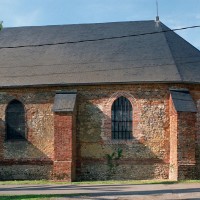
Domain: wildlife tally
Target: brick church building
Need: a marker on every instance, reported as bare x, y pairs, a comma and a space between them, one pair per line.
99, 101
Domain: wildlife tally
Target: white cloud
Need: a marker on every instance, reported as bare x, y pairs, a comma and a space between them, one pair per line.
197, 16
15, 13
26, 19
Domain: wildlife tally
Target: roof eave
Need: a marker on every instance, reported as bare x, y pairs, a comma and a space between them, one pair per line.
98, 83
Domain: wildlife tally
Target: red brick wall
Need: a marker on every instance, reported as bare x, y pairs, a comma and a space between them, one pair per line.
1, 138
196, 96
186, 145
173, 167
64, 156
183, 132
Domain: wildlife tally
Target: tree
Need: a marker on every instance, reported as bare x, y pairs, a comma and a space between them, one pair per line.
1, 25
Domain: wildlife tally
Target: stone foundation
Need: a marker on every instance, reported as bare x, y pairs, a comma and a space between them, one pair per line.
25, 172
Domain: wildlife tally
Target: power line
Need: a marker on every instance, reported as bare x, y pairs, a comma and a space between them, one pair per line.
101, 39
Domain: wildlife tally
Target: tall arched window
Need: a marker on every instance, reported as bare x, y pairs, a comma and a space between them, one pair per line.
15, 120
121, 119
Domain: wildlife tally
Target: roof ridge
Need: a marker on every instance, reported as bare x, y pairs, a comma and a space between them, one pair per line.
78, 24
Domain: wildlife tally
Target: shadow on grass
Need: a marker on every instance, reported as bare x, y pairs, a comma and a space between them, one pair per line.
36, 196
131, 182
164, 182
107, 191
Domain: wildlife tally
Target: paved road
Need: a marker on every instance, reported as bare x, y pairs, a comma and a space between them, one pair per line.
106, 192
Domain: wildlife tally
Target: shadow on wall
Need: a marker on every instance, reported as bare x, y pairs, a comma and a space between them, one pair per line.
32, 158
101, 158
20, 159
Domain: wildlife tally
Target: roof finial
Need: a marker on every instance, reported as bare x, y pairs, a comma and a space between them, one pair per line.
157, 17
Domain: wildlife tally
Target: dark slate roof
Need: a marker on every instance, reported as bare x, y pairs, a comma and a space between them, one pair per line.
163, 57
64, 102
182, 100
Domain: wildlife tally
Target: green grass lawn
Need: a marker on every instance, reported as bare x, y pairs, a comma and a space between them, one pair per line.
34, 197
53, 196
40, 182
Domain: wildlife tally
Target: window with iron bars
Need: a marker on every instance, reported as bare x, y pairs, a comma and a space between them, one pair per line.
122, 119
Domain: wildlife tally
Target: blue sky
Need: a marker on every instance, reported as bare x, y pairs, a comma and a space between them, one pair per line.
173, 13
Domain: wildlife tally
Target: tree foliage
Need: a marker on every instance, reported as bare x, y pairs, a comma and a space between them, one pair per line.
1, 25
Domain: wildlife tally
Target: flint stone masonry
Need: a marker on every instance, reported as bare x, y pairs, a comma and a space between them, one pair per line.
59, 146
24, 172
39, 147
150, 143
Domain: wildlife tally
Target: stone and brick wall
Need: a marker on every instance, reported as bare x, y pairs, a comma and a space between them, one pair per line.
146, 156
147, 152
32, 158
196, 96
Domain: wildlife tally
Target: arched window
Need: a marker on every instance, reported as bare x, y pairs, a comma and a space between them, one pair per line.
121, 119
15, 120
